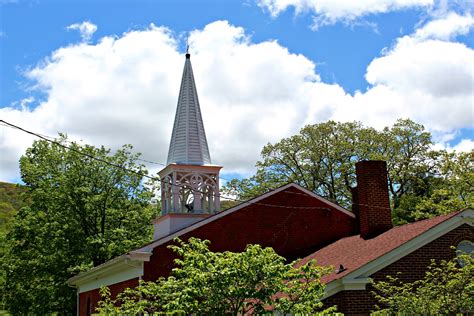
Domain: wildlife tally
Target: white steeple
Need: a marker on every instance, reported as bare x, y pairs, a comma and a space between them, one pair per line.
189, 183
188, 141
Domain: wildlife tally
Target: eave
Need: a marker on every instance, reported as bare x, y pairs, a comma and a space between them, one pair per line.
359, 278
124, 267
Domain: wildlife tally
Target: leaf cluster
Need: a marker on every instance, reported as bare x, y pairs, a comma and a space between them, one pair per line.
447, 288
256, 280
82, 212
422, 182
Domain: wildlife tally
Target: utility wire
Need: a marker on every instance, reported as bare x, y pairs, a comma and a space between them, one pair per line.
50, 139
47, 138
53, 141
358, 204
71, 142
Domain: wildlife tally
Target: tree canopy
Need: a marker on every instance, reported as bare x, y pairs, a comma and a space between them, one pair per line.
11, 200
446, 289
422, 182
203, 282
83, 211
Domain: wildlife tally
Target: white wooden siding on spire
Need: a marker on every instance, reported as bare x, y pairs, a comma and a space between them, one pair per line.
188, 140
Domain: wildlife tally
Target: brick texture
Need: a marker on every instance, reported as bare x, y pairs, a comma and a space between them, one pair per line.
302, 226
412, 267
371, 200
88, 300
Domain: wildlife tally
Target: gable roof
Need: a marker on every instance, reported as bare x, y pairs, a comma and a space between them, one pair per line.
362, 257
149, 247
143, 254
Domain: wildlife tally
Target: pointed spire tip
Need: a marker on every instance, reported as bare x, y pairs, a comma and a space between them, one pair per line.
188, 55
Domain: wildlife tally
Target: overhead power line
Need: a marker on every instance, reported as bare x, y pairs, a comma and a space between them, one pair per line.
42, 136
53, 141
47, 138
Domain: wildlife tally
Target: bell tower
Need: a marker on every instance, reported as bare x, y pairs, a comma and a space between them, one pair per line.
189, 182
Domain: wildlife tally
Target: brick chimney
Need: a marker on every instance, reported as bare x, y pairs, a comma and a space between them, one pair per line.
370, 198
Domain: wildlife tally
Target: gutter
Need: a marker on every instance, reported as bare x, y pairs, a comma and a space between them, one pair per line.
111, 267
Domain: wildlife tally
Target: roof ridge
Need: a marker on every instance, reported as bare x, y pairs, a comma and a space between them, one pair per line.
448, 215
386, 240
251, 201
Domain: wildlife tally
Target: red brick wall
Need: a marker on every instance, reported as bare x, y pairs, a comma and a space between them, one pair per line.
292, 232
412, 267
371, 198
94, 295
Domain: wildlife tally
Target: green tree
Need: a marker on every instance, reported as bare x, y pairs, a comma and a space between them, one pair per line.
12, 199
447, 288
452, 190
204, 282
82, 212
322, 159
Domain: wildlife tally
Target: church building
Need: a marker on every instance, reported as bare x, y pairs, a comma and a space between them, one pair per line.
297, 223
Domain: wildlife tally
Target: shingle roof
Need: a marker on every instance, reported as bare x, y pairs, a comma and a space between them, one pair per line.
354, 252
188, 141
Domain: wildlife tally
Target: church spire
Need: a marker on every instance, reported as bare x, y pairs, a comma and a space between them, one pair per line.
188, 141
189, 183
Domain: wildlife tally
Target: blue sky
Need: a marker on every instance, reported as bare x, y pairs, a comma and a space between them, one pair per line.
25, 45
263, 69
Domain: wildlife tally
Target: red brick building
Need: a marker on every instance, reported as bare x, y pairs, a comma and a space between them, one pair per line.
294, 221
407, 249
297, 223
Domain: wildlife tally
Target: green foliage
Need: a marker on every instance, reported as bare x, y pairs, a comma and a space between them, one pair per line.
447, 288
11, 200
226, 204
452, 190
82, 212
422, 182
216, 283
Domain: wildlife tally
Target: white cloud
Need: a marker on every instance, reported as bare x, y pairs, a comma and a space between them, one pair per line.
124, 90
465, 145
446, 28
430, 79
329, 12
421, 77
86, 29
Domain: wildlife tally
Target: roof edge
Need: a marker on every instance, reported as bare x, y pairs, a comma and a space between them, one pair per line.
144, 253
336, 206
233, 209
361, 275
109, 267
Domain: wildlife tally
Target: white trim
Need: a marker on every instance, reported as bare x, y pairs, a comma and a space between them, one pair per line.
122, 268
362, 274
184, 167
125, 272
345, 285
231, 210
140, 256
